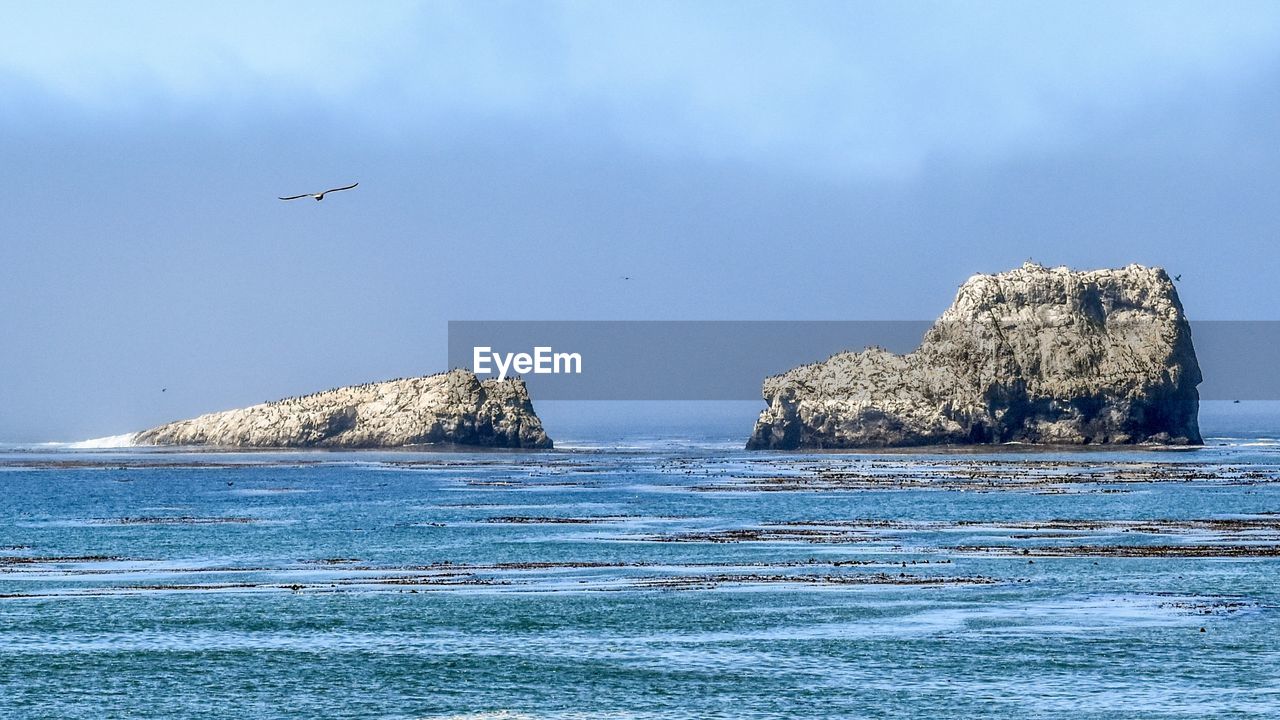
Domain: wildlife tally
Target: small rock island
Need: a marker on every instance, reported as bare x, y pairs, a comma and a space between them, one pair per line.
454, 407
1034, 355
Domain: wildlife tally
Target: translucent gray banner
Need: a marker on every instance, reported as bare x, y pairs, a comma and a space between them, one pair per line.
728, 360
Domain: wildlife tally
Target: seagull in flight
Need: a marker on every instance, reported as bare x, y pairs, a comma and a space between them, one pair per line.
320, 195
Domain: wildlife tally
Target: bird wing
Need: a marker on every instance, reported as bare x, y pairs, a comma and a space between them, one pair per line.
294, 197
341, 188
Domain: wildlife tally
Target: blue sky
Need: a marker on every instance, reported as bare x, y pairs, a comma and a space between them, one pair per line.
739, 160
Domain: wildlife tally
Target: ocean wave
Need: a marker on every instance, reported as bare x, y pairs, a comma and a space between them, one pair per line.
1235, 441
649, 444
111, 441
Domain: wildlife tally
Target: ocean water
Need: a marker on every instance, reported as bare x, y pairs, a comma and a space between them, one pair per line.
645, 572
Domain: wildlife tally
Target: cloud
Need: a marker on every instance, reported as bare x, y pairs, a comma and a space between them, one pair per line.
877, 90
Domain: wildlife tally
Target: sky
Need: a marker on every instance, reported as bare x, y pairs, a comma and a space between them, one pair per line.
737, 160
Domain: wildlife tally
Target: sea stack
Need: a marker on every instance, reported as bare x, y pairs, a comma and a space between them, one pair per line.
1034, 355
449, 408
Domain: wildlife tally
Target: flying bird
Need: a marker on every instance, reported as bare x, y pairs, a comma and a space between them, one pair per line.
320, 195
1177, 278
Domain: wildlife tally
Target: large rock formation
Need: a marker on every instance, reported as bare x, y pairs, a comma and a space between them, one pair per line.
1034, 355
453, 407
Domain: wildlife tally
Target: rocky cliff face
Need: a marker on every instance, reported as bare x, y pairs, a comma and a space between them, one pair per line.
453, 407
1033, 355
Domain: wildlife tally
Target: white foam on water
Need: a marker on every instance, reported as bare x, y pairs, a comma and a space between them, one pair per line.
111, 441
651, 444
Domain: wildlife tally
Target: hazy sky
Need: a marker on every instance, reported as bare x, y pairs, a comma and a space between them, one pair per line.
738, 160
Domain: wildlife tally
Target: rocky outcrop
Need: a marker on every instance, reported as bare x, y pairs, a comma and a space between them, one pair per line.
1033, 355
449, 408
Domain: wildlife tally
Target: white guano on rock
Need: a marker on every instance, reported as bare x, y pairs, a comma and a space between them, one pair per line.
1034, 355
448, 408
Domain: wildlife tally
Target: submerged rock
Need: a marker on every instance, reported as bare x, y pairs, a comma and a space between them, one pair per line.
448, 408
1033, 355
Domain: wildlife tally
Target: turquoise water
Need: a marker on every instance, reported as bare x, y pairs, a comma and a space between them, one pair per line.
656, 577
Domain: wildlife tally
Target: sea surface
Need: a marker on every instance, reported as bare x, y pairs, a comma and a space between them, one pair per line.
645, 573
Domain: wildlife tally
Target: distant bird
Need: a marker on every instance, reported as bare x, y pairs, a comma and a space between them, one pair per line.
320, 195
626, 277
163, 389
1177, 278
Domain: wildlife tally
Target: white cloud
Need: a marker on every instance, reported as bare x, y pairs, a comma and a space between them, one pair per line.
852, 88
